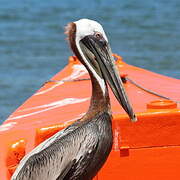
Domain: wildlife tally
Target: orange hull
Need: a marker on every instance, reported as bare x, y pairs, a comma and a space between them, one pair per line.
147, 149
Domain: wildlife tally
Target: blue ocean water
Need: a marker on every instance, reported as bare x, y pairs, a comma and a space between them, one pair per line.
33, 46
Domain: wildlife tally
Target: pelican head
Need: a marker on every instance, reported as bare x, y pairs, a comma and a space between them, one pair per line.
89, 42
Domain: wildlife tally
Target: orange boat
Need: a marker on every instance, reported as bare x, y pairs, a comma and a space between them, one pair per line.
146, 149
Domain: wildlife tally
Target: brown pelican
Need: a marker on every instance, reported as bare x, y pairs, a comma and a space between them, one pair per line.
80, 150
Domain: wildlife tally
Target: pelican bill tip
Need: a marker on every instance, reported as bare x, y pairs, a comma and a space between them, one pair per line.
134, 118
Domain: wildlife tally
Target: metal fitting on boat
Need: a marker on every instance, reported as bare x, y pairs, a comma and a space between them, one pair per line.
162, 104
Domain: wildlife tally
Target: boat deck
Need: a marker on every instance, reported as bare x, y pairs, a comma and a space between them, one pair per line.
149, 148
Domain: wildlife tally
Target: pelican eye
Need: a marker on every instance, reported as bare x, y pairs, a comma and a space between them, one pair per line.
100, 39
98, 35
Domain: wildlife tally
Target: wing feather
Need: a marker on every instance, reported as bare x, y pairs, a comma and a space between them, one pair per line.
61, 155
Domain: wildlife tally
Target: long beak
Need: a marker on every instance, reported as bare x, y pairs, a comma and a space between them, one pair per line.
103, 56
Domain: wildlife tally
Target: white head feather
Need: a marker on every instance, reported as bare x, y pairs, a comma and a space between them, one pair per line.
85, 27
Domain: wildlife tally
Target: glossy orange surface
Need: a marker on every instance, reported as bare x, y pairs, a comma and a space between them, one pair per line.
147, 149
